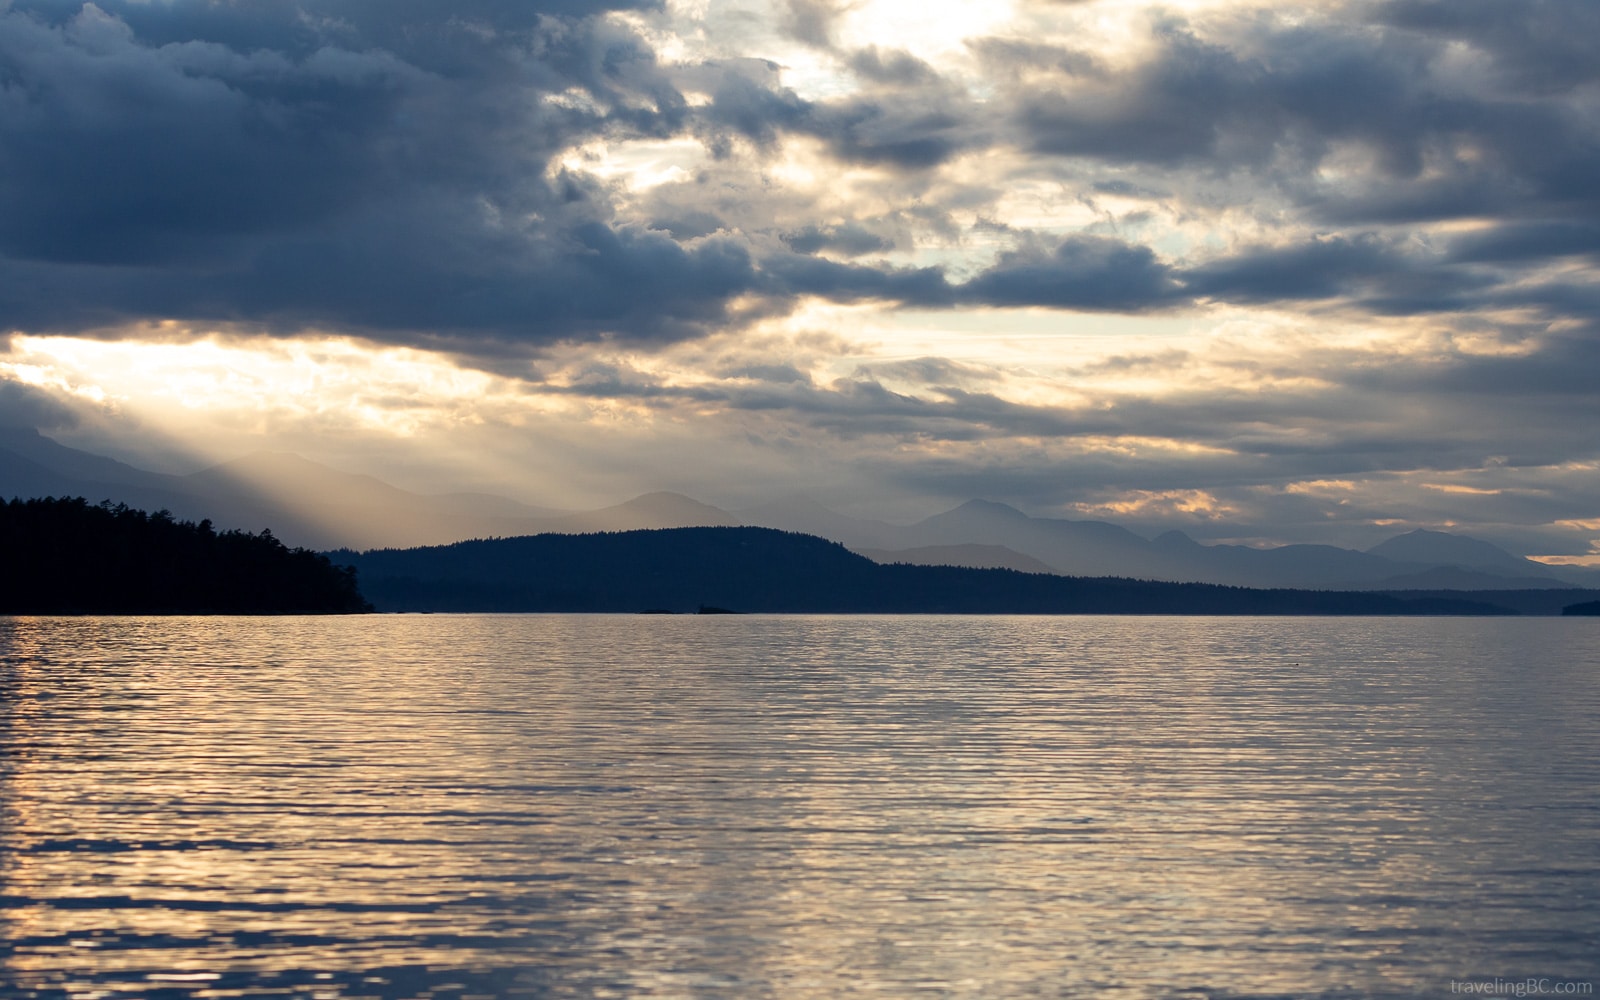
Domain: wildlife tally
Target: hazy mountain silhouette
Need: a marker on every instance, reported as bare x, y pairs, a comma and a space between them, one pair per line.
72, 464
32, 465
27, 478
652, 510
318, 507
1075, 548
1093, 548
762, 569
808, 517
1098, 548
1284, 565
1438, 548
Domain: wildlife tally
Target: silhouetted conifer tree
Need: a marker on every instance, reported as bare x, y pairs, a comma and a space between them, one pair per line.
69, 556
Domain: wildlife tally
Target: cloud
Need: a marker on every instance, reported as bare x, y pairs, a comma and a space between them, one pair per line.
1364, 268
1082, 272
804, 275
913, 132
397, 171
850, 239
907, 117
1523, 241
385, 169
812, 21
1537, 45
1392, 105
928, 371
747, 100
23, 405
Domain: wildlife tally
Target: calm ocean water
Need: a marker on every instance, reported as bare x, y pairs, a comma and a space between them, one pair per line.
808, 807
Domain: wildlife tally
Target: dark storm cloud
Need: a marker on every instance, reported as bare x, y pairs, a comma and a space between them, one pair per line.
1365, 269
1280, 101
377, 167
1539, 45
1528, 241
1368, 125
1105, 274
1082, 272
748, 101
388, 168
117, 152
1558, 376
913, 133
1177, 107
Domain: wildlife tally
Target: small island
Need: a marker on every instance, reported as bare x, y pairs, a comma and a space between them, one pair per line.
1584, 608
68, 556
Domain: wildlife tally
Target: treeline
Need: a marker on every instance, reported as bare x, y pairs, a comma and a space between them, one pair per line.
68, 556
760, 569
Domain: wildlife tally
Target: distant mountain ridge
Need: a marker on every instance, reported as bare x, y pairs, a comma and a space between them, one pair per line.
765, 570
315, 506
1443, 549
652, 510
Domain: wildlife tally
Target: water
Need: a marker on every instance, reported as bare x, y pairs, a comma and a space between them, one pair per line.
798, 807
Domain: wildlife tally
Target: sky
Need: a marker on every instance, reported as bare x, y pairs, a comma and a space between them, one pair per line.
1265, 273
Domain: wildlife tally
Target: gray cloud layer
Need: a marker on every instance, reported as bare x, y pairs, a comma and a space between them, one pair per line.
388, 168
372, 166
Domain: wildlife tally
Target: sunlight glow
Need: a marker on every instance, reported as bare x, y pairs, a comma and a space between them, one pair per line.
638, 165
928, 28
1457, 488
1591, 561
1196, 504
262, 382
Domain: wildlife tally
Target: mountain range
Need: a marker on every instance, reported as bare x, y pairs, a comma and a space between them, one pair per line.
734, 569
312, 505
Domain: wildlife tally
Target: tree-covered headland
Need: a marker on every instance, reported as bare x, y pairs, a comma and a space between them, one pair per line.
68, 556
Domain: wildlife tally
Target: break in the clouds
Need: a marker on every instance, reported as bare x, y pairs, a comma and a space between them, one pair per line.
1090, 257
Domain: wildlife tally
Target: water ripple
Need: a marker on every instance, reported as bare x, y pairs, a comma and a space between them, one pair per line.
747, 806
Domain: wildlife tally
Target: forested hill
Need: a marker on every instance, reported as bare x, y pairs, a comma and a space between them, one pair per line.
69, 556
761, 569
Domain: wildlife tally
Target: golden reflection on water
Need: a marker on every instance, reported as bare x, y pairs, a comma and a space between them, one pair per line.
576, 806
